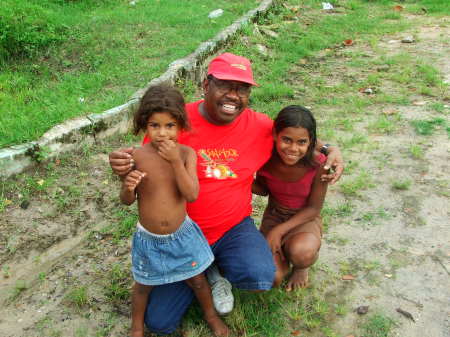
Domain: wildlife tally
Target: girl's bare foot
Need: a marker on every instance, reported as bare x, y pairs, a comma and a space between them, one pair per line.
217, 326
298, 279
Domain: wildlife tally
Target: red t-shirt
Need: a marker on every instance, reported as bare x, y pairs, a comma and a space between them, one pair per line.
227, 158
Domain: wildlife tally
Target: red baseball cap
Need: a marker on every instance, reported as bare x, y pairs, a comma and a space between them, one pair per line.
231, 67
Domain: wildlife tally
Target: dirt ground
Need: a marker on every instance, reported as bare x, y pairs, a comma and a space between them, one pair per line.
390, 243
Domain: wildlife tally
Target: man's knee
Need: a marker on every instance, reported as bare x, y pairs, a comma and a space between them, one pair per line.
255, 276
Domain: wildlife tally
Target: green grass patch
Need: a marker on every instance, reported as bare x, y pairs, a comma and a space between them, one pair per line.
78, 297
378, 325
401, 185
64, 59
416, 151
427, 127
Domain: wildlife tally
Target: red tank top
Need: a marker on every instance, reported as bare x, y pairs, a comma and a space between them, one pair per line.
292, 194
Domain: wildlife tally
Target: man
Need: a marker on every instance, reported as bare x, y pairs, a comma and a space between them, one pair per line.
232, 142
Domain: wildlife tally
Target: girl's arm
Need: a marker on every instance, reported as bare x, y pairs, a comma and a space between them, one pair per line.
185, 170
259, 186
129, 184
308, 213
186, 175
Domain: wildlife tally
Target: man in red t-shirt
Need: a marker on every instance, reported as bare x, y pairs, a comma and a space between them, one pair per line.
232, 142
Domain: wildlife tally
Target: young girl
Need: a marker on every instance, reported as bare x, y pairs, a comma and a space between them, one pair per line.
167, 245
291, 177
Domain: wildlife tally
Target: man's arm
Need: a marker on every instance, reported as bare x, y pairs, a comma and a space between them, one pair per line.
259, 186
334, 166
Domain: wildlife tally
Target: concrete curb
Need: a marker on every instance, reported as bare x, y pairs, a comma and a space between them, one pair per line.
85, 130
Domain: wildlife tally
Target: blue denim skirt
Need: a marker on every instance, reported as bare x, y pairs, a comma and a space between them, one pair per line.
161, 259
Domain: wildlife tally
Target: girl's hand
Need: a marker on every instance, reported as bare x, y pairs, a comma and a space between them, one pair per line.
335, 165
133, 179
274, 240
169, 150
121, 161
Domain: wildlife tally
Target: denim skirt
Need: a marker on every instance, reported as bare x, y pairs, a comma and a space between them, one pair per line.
161, 259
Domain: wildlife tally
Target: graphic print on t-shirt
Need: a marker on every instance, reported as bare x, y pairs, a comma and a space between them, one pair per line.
216, 162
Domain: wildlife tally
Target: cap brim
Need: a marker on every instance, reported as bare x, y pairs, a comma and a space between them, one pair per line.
231, 77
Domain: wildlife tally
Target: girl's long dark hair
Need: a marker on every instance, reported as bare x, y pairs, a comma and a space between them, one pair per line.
296, 116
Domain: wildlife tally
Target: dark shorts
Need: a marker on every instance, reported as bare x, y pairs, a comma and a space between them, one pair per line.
276, 214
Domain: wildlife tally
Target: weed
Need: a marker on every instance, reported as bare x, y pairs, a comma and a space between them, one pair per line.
353, 187
427, 127
127, 219
42, 275
81, 331
377, 325
416, 151
6, 271
78, 297
375, 217
401, 185
335, 239
438, 107
117, 288
19, 288
383, 124
353, 140
340, 309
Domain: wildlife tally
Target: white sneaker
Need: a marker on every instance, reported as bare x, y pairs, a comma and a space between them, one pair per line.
221, 291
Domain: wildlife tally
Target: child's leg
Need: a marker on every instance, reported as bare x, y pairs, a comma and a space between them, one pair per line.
202, 291
302, 250
139, 299
282, 269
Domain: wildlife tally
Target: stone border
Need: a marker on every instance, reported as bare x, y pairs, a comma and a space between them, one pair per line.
85, 130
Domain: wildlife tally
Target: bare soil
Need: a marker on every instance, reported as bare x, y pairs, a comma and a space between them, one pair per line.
393, 243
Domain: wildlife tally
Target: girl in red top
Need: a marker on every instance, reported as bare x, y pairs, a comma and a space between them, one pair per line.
291, 177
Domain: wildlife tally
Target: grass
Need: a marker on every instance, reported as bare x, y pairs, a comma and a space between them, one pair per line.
352, 187
416, 151
117, 287
63, 59
401, 185
378, 325
78, 297
427, 127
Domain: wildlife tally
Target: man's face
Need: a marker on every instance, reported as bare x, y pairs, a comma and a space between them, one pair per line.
224, 100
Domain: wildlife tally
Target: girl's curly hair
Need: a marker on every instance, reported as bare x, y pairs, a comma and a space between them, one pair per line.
160, 98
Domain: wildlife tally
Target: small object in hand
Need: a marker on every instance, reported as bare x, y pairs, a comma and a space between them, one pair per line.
24, 204
362, 310
406, 314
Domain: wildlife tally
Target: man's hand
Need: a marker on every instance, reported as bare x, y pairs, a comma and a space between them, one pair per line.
334, 165
169, 150
121, 161
133, 179
274, 241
